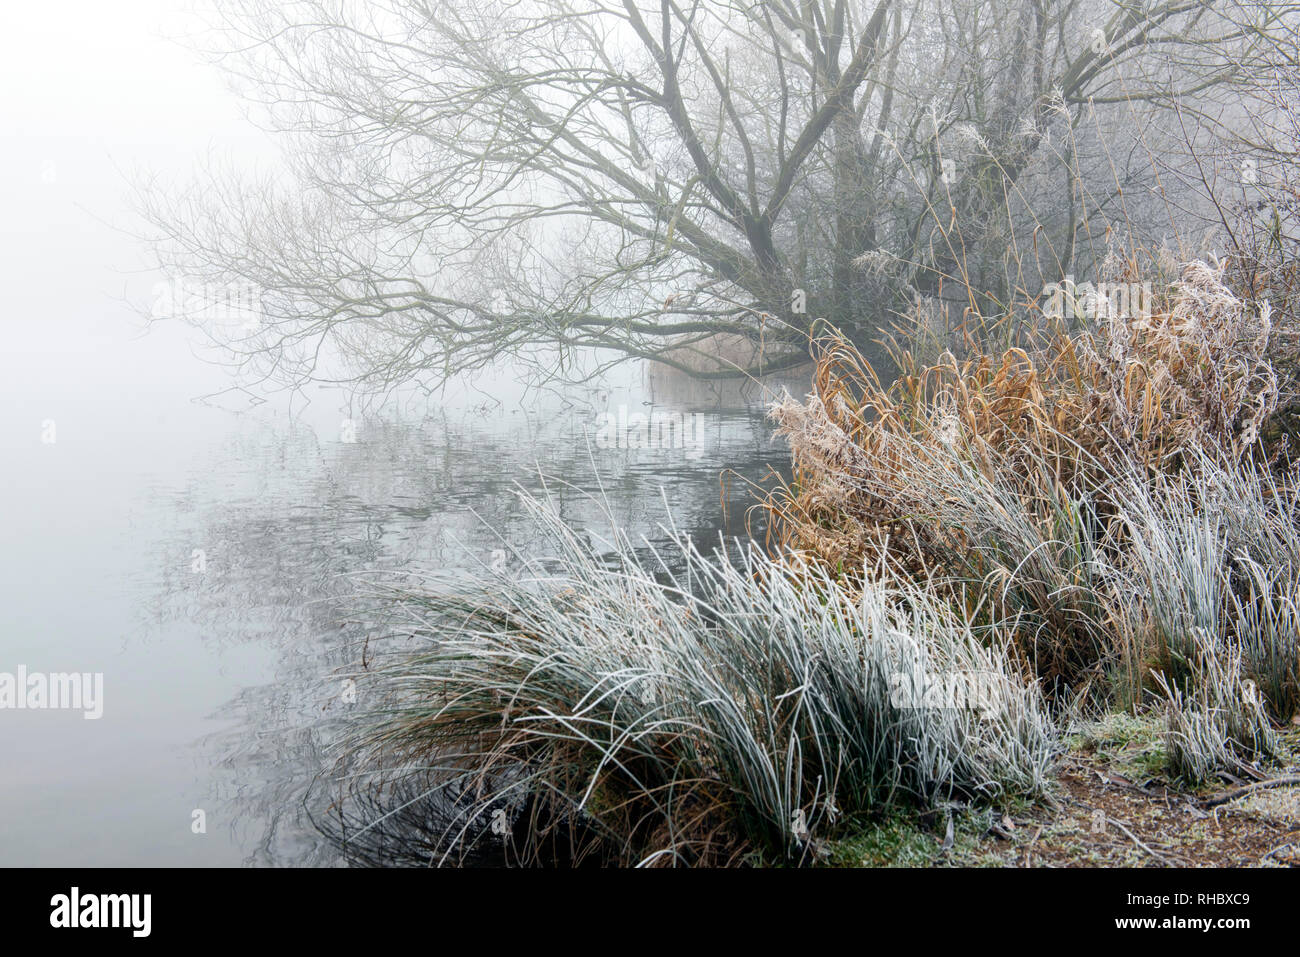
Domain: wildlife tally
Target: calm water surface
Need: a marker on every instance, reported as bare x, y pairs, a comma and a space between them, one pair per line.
203, 559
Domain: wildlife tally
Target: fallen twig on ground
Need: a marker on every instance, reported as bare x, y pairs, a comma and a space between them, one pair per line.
1226, 796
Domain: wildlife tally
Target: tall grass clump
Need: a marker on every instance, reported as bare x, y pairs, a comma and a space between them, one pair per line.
1176, 557
1268, 632
1215, 718
662, 706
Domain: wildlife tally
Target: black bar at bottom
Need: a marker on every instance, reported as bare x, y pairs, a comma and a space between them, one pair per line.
612, 908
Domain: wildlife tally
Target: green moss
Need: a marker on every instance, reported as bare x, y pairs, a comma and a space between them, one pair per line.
893, 842
903, 840
1131, 745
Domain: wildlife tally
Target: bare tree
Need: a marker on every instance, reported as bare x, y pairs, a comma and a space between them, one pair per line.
655, 179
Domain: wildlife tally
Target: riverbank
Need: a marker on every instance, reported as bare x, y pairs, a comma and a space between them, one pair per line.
965, 567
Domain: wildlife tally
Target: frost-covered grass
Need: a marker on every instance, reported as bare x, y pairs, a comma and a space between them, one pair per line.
694, 708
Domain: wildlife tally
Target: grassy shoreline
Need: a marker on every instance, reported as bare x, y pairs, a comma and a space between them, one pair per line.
971, 566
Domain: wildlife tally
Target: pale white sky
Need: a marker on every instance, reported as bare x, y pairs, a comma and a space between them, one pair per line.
92, 92
98, 70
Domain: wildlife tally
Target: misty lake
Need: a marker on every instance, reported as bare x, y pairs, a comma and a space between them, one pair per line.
202, 560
